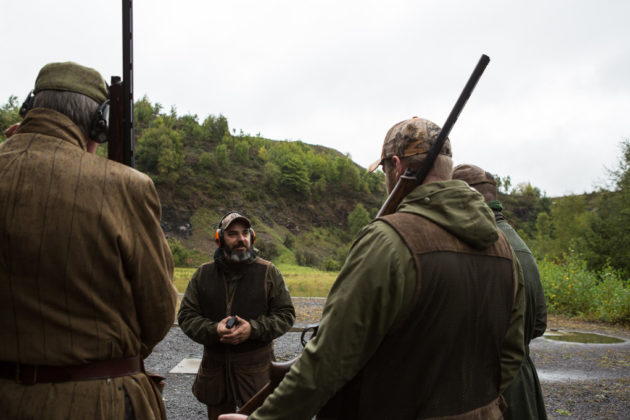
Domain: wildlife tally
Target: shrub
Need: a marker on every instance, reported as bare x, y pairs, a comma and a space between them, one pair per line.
572, 290
182, 257
267, 248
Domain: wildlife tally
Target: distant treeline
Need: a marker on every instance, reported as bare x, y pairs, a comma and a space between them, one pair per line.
311, 199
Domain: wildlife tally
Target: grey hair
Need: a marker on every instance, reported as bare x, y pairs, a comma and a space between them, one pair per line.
79, 108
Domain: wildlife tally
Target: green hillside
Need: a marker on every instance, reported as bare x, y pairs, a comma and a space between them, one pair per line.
300, 197
307, 201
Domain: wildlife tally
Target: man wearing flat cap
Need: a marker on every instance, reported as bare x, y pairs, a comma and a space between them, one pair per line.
235, 306
524, 396
425, 319
85, 270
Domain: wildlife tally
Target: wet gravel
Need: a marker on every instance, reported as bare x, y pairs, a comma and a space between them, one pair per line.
579, 381
584, 381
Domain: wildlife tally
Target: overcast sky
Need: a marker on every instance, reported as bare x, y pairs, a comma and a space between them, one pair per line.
551, 109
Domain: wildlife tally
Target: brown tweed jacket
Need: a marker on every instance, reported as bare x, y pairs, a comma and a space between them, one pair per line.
85, 271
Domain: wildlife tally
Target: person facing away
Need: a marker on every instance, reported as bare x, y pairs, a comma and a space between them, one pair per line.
85, 270
524, 396
237, 351
425, 319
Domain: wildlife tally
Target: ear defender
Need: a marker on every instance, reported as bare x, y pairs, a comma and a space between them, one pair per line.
99, 127
28, 104
218, 237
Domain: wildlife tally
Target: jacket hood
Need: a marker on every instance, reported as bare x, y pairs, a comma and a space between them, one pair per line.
456, 207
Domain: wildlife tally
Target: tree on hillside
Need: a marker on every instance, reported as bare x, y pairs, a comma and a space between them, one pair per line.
222, 155
272, 176
348, 177
503, 183
358, 218
564, 229
216, 128
294, 176
610, 238
523, 206
144, 115
160, 154
241, 152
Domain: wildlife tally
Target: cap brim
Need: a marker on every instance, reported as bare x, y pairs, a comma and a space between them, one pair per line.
374, 165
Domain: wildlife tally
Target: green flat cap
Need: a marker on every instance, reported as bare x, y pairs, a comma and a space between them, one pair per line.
72, 77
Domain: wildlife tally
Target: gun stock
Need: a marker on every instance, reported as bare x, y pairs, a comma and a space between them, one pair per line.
408, 181
277, 373
278, 370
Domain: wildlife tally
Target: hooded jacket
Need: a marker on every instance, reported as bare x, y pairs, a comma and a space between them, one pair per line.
374, 296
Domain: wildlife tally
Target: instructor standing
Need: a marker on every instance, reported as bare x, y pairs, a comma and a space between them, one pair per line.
235, 306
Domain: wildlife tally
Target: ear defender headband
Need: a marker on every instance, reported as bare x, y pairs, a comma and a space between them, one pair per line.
28, 104
99, 126
218, 234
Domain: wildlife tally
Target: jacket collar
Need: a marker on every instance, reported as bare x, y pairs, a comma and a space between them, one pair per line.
54, 124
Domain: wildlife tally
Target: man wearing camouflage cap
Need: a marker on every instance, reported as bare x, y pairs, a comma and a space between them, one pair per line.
425, 318
237, 351
524, 396
85, 270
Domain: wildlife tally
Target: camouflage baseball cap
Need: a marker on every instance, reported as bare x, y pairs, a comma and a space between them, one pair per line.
231, 218
72, 77
473, 175
410, 137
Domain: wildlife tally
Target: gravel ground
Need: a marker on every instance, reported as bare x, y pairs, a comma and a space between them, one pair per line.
579, 381
584, 381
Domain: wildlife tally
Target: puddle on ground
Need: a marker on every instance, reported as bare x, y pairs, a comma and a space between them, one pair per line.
580, 337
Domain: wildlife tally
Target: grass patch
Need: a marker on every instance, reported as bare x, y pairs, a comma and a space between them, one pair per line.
307, 281
182, 277
301, 281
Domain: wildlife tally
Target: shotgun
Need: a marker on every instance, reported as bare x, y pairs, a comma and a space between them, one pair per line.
278, 370
408, 181
120, 146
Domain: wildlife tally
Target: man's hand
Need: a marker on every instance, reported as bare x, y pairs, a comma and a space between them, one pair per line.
11, 130
222, 328
237, 334
232, 417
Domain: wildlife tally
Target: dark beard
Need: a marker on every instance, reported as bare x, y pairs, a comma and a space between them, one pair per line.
236, 256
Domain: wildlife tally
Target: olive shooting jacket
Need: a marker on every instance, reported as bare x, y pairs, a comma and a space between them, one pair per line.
372, 302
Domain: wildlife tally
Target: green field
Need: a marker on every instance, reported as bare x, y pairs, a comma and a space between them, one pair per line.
301, 281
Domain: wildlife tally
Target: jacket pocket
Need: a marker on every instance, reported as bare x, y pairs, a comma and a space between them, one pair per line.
251, 377
209, 385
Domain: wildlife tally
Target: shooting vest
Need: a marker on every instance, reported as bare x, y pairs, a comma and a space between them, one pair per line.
444, 357
249, 300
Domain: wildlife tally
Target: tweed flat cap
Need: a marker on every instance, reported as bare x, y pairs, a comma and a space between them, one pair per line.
72, 77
